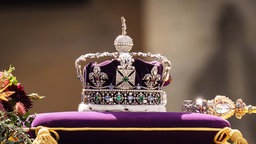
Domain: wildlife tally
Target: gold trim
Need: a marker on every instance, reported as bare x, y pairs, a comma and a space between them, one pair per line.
222, 137
129, 129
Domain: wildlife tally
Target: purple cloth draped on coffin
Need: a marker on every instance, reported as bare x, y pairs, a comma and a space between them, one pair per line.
110, 66
132, 119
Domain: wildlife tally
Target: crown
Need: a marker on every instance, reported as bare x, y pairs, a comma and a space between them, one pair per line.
126, 82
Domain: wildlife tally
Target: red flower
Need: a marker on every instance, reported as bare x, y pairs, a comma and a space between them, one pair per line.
20, 87
18, 96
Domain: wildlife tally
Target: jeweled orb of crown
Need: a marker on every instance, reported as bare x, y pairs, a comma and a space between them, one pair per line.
126, 82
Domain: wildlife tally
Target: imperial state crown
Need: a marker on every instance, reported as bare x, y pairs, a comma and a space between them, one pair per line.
126, 82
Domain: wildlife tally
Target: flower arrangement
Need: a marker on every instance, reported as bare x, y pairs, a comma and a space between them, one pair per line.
14, 106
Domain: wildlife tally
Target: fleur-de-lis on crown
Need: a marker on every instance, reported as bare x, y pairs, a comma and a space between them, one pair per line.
153, 78
97, 77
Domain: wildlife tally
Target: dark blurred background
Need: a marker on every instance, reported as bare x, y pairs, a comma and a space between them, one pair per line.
211, 45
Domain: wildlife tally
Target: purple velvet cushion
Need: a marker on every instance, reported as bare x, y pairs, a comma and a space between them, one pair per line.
132, 119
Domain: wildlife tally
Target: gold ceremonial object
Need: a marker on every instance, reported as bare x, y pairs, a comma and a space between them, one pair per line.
220, 106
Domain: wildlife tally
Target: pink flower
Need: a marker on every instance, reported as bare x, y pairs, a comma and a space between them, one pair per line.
3, 81
2, 107
20, 109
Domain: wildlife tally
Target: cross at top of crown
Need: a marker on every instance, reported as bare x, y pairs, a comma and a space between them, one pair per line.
123, 43
123, 26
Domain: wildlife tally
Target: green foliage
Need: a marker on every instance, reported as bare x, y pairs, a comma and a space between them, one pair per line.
11, 128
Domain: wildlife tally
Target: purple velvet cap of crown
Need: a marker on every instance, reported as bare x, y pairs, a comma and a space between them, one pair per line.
109, 67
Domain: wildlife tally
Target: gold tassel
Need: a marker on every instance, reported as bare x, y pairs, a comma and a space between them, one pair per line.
237, 137
226, 134
44, 136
